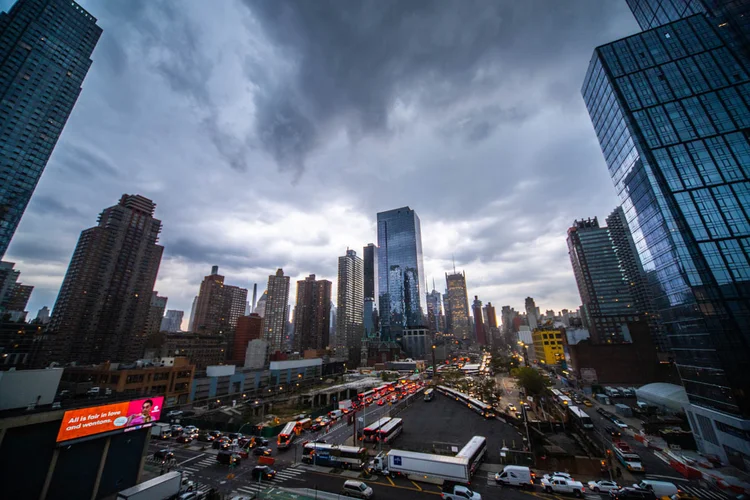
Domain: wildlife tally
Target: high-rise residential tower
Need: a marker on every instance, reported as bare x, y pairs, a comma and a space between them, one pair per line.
532, 313
155, 314
192, 314
479, 332
350, 307
45, 51
400, 271
275, 315
457, 303
312, 314
172, 321
101, 310
14, 296
219, 305
671, 109
608, 303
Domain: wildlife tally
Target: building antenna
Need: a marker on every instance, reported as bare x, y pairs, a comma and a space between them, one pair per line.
433, 283
454, 264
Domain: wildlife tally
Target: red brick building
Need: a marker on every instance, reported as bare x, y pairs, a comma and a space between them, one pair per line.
248, 328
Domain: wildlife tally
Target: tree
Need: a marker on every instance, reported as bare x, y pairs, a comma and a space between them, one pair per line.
532, 382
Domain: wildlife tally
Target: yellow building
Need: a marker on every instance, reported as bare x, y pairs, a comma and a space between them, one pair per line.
548, 346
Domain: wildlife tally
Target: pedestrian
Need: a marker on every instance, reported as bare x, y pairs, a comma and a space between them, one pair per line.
619, 472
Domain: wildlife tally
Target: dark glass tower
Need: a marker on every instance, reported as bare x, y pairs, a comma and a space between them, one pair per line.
671, 110
400, 271
45, 50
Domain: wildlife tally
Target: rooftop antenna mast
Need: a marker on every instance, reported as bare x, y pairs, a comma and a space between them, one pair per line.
454, 264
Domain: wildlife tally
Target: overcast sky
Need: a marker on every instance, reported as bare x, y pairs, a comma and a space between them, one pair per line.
270, 133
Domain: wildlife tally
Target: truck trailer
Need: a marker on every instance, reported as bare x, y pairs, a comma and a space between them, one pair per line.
423, 466
159, 488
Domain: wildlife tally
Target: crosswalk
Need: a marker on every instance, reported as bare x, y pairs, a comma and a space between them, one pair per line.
196, 466
703, 493
281, 476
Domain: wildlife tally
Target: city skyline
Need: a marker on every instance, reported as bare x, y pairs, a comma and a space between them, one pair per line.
129, 83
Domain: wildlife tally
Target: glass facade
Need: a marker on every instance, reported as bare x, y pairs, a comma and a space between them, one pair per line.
671, 109
45, 49
608, 303
400, 272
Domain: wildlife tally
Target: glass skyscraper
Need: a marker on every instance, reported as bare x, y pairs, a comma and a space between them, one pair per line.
671, 110
45, 49
400, 272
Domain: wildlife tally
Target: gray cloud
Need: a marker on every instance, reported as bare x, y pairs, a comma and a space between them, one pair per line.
467, 111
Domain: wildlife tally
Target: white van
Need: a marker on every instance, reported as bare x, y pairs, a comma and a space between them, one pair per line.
515, 475
660, 488
335, 414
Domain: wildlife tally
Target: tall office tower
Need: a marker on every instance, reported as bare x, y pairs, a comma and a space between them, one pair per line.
350, 308
448, 322
434, 311
255, 298
670, 107
371, 319
45, 49
172, 321
312, 314
491, 323
192, 315
400, 271
458, 304
608, 303
370, 258
14, 296
532, 315
479, 332
275, 315
506, 319
635, 276
155, 314
42, 316
219, 305
565, 317
104, 300
260, 307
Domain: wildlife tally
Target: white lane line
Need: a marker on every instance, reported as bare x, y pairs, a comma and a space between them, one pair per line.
671, 478
713, 494
191, 459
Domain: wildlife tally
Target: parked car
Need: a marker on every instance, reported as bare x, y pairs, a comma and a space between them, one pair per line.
356, 489
262, 472
164, 454
632, 494
262, 450
603, 486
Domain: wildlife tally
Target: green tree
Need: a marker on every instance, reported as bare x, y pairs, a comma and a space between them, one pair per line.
532, 382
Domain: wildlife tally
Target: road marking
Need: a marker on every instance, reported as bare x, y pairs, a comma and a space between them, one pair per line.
390, 481
671, 478
418, 487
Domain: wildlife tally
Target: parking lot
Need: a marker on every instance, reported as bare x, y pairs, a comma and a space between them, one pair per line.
445, 420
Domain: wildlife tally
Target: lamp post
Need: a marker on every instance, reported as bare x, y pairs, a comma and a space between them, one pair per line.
434, 366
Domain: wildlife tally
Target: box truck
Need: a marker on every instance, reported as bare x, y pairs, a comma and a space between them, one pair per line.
161, 431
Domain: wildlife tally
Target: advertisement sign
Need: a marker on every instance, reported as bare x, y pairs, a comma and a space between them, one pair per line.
93, 420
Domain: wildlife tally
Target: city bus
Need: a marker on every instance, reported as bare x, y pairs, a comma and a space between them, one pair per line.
390, 431
303, 425
487, 411
429, 394
366, 397
381, 391
627, 457
286, 436
580, 417
371, 432
474, 452
329, 455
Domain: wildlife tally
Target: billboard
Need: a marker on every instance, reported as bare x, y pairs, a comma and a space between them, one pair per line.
85, 422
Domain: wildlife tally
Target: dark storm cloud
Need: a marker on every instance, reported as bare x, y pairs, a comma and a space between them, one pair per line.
355, 59
39, 250
84, 160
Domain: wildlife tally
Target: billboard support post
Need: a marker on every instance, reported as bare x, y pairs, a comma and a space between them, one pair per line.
99, 471
50, 472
